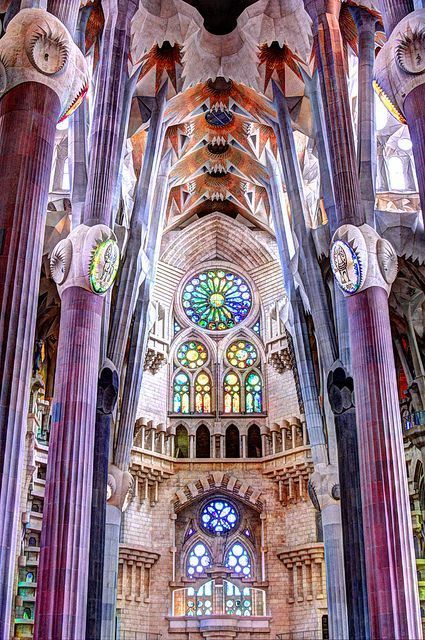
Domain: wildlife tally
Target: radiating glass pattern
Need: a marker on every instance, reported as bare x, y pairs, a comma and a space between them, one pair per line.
217, 300
192, 354
219, 516
241, 354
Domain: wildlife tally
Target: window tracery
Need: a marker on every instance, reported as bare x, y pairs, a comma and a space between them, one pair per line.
238, 560
219, 516
181, 390
232, 393
198, 560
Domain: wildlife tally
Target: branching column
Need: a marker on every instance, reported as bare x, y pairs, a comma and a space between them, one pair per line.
365, 266
29, 111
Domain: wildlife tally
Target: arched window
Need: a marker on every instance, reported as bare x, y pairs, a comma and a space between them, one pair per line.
232, 393
238, 560
32, 542
27, 614
199, 558
202, 442
233, 449
253, 393
254, 442
241, 354
182, 442
181, 401
202, 393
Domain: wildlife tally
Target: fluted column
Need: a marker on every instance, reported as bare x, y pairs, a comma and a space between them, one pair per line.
393, 11
372, 266
66, 11
84, 266
366, 129
29, 111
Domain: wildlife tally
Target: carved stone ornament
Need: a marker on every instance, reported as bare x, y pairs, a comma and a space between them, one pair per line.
324, 485
87, 258
120, 487
360, 259
38, 48
400, 65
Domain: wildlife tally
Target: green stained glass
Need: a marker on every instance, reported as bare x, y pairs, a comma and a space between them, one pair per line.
217, 300
181, 393
192, 354
253, 393
241, 354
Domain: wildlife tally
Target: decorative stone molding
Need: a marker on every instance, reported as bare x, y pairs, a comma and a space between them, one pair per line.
38, 48
281, 360
87, 258
324, 486
361, 259
134, 568
154, 360
120, 486
400, 65
218, 481
306, 569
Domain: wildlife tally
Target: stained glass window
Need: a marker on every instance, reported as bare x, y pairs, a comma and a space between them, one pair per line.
232, 393
241, 354
198, 560
177, 327
256, 328
192, 354
219, 516
217, 299
202, 393
237, 602
181, 393
238, 560
253, 393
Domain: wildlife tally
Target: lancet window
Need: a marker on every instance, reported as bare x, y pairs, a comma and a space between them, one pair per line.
192, 381
242, 385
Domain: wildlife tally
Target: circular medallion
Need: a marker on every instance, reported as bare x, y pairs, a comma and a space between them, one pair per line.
346, 266
192, 354
241, 354
216, 299
104, 265
410, 53
47, 52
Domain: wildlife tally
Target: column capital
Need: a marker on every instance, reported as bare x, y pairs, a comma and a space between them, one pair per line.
323, 486
120, 487
38, 48
88, 258
400, 65
361, 259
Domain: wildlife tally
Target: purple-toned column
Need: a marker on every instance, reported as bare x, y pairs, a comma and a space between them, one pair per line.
29, 110
66, 11
86, 264
393, 11
365, 266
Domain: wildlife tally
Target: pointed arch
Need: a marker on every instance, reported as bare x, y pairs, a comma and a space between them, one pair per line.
255, 449
203, 442
203, 392
181, 392
233, 446
232, 392
253, 392
182, 442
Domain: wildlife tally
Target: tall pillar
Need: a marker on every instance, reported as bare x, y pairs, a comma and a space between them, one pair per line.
66, 11
107, 393
363, 265
31, 105
84, 266
366, 129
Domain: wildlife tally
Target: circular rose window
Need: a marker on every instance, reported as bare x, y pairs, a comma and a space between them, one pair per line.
216, 299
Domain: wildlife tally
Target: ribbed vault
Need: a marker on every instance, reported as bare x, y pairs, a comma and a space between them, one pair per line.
215, 238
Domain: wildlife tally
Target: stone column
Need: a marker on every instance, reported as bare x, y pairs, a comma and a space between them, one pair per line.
387, 528
31, 105
366, 129
84, 266
66, 11
393, 11
244, 449
107, 393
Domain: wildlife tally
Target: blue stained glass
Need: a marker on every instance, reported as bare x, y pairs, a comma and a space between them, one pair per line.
216, 300
253, 395
256, 328
219, 516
